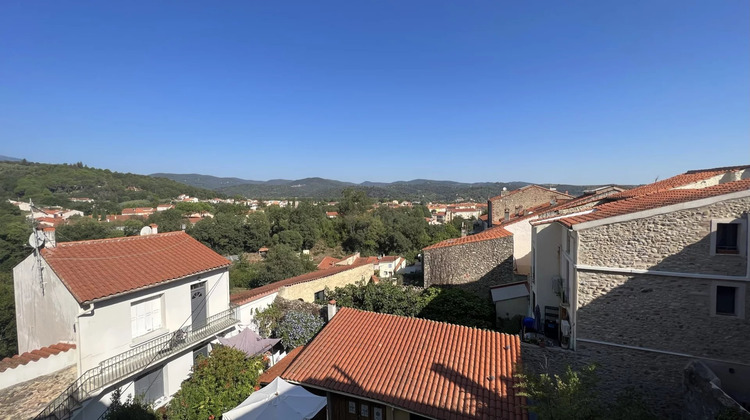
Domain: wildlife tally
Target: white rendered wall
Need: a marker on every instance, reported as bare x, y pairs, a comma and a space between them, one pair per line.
106, 332
247, 310
42, 318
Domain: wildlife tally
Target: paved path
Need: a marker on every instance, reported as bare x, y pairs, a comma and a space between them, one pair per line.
27, 399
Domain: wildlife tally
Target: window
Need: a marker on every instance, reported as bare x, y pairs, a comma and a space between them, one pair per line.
728, 299
145, 316
151, 386
320, 296
725, 300
728, 236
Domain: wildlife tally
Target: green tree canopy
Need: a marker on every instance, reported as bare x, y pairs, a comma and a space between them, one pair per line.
218, 384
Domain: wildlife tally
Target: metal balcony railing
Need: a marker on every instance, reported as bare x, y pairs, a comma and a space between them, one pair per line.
119, 367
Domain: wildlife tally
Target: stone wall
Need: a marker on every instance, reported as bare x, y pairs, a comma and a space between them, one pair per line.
664, 313
678, 241
656, 377
475, 266
530, 196
704, 397
306, 291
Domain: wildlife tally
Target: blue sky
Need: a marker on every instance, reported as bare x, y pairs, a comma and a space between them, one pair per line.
583, 92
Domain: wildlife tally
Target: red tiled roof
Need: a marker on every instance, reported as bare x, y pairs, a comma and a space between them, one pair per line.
240, 298
106, 267
688, 177
274, 371
489, 234
652, 201
430, 368
34, 355
327, 262
497, 197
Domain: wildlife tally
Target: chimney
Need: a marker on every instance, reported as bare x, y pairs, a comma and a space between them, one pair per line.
49, 237
154, 228
504, 192
331, 309
552, 201
507, 214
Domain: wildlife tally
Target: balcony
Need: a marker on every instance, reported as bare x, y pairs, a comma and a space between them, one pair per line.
117, 368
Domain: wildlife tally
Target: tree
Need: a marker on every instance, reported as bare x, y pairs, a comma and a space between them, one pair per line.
168, 220
85, 228
256, 231
282, 263
290, 238
218, 383
354, 202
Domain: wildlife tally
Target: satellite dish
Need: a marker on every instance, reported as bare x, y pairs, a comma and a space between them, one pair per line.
146, 230
36, 239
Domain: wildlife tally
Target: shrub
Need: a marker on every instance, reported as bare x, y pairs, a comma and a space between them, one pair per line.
458, 307
131, 409
219, 383
571, 396
297, 328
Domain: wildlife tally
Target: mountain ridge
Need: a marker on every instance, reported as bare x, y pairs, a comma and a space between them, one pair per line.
323, 188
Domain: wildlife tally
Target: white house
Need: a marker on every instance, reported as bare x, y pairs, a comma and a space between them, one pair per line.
136, 309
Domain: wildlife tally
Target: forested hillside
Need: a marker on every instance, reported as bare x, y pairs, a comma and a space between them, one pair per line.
233, 230
49, 185
424, 190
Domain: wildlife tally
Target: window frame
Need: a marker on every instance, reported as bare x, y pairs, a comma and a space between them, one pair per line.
739, 299
741, 236
134, 333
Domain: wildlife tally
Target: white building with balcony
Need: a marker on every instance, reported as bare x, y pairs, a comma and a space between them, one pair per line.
137, 310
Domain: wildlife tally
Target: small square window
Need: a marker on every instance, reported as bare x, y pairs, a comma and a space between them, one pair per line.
364, 410
727, 238
320, 296
725, 300
352, 407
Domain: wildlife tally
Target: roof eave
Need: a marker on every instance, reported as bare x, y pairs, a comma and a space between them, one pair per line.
103, 298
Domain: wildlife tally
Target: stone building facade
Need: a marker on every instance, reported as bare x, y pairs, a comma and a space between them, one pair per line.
306, 291
649, 288
475, 262
522, 198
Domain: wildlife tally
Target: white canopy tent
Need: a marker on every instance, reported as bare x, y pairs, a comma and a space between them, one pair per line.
278, 400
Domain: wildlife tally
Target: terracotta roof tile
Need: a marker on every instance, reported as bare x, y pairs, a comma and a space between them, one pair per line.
102, 268
240, 298
688, 177
327, 262
654, 200
486, 235
34, 355
430, 368
274, 371
497, 197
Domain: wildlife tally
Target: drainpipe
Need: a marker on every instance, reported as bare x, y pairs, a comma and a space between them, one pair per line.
574, 293
77, 326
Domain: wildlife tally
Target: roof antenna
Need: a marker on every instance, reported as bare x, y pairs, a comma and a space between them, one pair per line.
36, 241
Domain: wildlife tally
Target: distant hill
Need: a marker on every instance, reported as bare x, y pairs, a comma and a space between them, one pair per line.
4, 158
54, 184
320, 188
